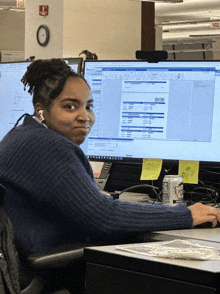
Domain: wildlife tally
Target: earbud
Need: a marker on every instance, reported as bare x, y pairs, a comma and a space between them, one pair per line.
41, 114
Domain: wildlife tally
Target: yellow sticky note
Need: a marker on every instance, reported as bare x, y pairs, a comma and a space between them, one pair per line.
189, 171
151, 169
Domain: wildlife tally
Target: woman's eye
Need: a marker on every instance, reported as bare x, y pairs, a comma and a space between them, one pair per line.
89, 107
70, 106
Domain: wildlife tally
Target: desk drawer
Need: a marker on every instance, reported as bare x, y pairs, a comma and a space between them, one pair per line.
108, 280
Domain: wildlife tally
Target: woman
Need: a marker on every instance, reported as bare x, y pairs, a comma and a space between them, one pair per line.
52, 197
87, 55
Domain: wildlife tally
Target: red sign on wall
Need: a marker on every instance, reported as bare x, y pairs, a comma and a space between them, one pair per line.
20, 3
215, 24
43, 10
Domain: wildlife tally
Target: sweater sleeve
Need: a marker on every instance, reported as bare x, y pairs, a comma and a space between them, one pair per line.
57, 175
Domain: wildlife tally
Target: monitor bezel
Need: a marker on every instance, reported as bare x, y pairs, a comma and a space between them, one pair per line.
144, 60
77, 60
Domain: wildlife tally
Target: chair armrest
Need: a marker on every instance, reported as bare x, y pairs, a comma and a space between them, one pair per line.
57, 259
44, 266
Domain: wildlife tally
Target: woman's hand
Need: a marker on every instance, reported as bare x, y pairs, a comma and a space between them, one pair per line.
202, 214
106, 193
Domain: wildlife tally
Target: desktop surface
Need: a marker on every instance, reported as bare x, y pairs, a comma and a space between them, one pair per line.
205, 234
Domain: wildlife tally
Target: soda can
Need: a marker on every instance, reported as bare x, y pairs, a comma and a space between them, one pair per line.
172, 190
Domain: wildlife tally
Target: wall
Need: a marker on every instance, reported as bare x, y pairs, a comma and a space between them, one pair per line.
12, 26
109, 28
55, 23
216, 48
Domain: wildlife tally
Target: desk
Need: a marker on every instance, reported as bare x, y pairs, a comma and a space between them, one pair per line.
211, 234
112, 271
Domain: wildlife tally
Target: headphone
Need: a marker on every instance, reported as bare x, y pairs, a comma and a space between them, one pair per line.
41, 114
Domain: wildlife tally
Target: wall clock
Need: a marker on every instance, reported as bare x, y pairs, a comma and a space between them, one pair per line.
43, 35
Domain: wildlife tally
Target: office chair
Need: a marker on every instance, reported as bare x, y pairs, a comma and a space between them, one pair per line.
61, 271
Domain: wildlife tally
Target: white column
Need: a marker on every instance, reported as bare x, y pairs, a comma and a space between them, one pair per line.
158, 38
216, 48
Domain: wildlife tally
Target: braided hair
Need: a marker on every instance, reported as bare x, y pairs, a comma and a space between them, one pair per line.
46, 79
89, 55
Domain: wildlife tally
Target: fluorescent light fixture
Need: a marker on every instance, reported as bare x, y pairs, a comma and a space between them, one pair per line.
17, 9
202, 36
160, 1
185, 22
12, 8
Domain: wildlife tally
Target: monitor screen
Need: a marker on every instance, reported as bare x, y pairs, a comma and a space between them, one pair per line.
168, 110
14, 101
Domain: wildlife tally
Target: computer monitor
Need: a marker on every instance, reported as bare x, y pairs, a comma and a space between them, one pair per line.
14, 101
75, 64
168, 110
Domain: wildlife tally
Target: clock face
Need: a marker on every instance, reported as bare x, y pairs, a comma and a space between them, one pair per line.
43, 35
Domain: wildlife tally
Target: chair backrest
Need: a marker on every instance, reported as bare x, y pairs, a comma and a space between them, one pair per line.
2, 195
9, 263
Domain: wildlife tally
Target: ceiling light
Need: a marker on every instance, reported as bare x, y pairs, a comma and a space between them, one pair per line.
160, 1
12, 8
207, 35
167, 1
17, 10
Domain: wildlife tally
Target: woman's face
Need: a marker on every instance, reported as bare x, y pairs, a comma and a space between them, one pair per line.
71, 113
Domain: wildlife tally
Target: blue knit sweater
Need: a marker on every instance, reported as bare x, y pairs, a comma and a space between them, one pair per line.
52, 198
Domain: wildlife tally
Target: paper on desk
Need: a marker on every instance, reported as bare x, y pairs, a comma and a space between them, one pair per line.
151, 169
176, 249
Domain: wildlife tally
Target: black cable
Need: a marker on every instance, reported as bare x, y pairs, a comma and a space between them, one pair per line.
18, 122
137, 186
